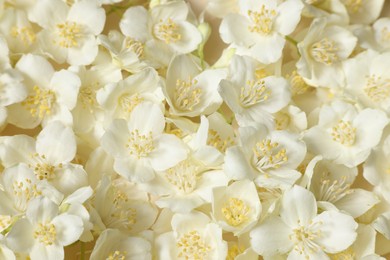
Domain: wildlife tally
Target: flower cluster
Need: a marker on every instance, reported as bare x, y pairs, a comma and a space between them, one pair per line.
124, 133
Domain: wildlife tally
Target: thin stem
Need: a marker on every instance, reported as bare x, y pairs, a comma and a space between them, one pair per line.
293, 41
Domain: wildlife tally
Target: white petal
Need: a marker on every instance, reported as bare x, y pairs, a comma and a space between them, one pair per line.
68, 228
299, 207
234, 29
86, 53
289, 15
38, 70
17, 149
237, 166
41, 251
134, 169
168, 151
115, 139
20, 238
338, 231
357, 203
57, 143
88, 14
134, 23
41, 209
271, 237
274, 45
147, 117
47, 13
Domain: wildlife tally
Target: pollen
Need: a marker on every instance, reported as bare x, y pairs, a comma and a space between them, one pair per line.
128, 102
262, 21
135, 46
191, 246
268, 155
87, 97
377, 88
25, 34
335, 190
117, 255
40, 103
298, 85
214, 139
187, 95
140, 145
233, 251
167, 31
184, 175
23, 192
254, 92
45, 233
344, 133
235, 211
68, 33
325, 51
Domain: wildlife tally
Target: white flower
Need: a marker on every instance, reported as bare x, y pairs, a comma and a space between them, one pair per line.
119, 99
331, 185
44, 232
236, 208
251, 94
344, 134
300, 232
322, 51
363, 11
51, 94
49, 156
140, 147
261, 25
69, 33
189, 90
121, 205
161, 32
368, 79
194, 236
291, 118
268, 158
113, 244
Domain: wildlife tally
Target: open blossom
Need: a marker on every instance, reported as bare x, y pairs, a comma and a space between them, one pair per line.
236, 208
251, 94
363, 11
161, 31
344, 134
322, 51
191, 91
300, 232
140, 147
194, 236
69, 33
45, 231
51, 94
261, 25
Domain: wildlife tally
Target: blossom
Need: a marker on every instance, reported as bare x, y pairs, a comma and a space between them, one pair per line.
193, 236
162, 31
261, 25
140, 147
300, 232
51, 94
70, 34
341, 133
44, 232
322, 51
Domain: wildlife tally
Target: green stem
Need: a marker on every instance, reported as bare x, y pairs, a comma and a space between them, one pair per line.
82, 251
293, 41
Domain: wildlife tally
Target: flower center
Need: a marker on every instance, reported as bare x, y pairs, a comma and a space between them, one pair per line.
192, 246
298, 85
45, 233
353, 6
69, 33
262, 20
5, 222
325, 51
23, 192
268, 155
186, 94
254, 92
140, 145
122, 215
385, 35
135, 46
128, 102
167, 31
282, 120
40, 102
42, 169
344, 133
347, 254
184, 175
333, 191
117, 255
214, 139
303, 238
377, 89
87, 97
234, 250
235, 211
24, 34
